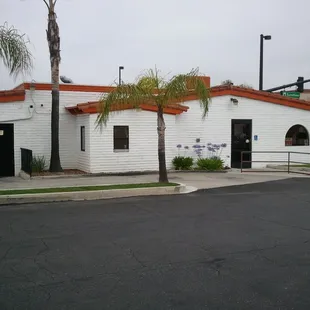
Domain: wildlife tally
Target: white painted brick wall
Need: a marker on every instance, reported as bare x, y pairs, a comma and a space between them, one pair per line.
35, 133
142, 154
270, 122
83, 157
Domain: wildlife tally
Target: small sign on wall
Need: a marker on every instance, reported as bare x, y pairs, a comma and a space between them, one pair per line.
288, 141
255, 137
1, 132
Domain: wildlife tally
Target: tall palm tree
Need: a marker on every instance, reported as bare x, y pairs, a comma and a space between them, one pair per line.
14, 51
54, 48
151, 87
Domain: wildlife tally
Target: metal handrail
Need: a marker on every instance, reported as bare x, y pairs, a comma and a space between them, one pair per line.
288, 161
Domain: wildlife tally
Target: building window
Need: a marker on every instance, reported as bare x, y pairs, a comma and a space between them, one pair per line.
83, 138
121, 138
297, 135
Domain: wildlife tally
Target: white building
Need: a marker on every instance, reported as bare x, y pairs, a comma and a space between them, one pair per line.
244, 119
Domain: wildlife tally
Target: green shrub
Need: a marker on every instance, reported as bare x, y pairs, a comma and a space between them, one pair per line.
39, 164
182, 163
211, 164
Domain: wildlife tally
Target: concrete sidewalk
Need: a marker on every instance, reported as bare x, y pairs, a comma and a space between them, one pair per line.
192, 179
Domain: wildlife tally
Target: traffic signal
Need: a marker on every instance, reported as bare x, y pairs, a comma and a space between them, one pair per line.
300, 87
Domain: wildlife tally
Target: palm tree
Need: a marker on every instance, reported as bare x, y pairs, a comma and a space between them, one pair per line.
14, 51
151, 87
54, 48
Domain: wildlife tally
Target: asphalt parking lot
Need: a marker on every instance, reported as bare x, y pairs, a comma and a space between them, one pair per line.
240, 247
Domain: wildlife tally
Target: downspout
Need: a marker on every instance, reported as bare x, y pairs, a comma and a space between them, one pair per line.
31, 108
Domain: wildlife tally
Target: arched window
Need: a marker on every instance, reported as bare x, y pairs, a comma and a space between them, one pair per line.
297, 135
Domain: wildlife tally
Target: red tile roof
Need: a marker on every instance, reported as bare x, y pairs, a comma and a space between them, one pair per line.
12, 95
260, 96
176, 108
18, 94
68, 87
94, 107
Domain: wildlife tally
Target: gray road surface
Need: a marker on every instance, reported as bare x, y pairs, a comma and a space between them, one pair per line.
242, 247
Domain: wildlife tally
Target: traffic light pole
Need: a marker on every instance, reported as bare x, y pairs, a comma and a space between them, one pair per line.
299, 82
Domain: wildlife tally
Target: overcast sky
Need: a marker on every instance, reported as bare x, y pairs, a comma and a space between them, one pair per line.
219, 37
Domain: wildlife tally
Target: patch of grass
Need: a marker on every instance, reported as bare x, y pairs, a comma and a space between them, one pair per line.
82, 188
39, 164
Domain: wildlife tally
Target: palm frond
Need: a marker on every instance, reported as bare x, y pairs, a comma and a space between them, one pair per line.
123, 96
48, 7
184, 84
151, 87
176, 88
203, 94
153, 77
14, 51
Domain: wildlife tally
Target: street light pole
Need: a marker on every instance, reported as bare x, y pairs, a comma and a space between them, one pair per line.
261, 61
120, 68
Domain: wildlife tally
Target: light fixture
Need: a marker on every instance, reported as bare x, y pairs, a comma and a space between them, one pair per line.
234, 101
120, 68
32, 85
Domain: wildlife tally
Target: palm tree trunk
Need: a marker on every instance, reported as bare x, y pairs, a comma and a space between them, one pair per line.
54, 47
161, 127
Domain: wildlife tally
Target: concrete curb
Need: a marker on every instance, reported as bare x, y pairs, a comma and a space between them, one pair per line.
184, 189
91, 195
